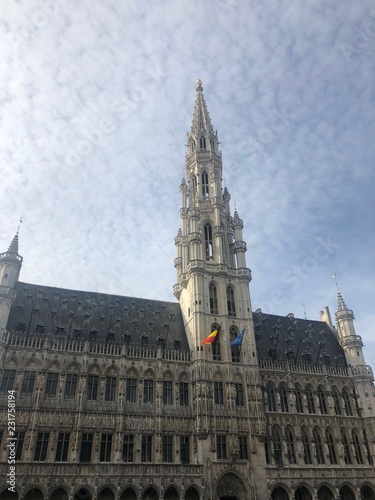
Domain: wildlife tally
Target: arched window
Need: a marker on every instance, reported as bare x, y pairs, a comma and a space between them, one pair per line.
212, 145
318, 447
208, 241
346, 446
205, 183
347, 404
322, 400
356, 403
202, 142
192, 146
331, 447
290, 449
270, 396
299, 399
310, 399
306, 448
283, 397
194, 183
236, 349
336, 401
367, 446
216, 349
213, 298
357, 448
230, 301
277, 447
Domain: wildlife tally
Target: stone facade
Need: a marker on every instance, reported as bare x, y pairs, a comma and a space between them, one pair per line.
117, 398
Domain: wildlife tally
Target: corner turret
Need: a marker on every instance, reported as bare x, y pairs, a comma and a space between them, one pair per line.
10, 266
349, 340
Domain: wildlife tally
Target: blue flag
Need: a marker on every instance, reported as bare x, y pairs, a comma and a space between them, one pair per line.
238, 340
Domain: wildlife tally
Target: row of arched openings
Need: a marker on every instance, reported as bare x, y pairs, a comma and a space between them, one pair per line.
324, 493
105, 494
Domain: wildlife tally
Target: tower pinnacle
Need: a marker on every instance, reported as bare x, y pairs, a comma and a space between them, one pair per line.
201, 118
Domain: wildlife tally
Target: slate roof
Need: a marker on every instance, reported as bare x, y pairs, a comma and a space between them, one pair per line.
282, 338
41, 310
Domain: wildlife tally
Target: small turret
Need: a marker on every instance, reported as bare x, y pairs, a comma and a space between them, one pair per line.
349, 340
10, 266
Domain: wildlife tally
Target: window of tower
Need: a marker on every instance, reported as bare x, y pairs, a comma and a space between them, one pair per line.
213, 298
194, 182
205, 184
236, 349
216, 350
230, 301
202, 142
208, 241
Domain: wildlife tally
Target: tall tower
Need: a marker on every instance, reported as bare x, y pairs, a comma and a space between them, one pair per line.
10, 266
212, 277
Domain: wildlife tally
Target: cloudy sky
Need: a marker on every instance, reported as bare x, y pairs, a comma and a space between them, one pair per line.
97, 97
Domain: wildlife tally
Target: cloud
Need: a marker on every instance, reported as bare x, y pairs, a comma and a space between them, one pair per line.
96, 101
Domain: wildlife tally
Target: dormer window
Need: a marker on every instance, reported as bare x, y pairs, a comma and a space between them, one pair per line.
202, 143
205, 184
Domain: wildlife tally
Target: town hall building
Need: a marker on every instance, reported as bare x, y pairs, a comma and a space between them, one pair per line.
124, 398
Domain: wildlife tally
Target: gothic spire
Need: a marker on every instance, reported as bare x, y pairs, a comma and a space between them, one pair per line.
341, 302
201, 118
13, 247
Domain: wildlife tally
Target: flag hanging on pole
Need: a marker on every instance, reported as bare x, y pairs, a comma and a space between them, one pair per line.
212, 337
238, 340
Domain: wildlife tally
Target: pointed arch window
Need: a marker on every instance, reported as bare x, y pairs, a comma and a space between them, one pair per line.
270, 396
331, 448
202, 142
299, 399
336, 401
213, 298
318, 447
322, 400
357, 448
347, 405
283, 398
310, 399
208, 241
194, 183
277, 447
290, 448
236, 349
345, 444
216, 349
205, 188
231, 302
306, 448
367, 447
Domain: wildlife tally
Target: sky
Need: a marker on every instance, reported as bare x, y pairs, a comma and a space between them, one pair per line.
97, 98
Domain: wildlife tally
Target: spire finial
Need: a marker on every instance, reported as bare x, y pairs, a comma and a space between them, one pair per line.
334, 277
304, 311
199, 85
19, 224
